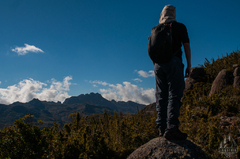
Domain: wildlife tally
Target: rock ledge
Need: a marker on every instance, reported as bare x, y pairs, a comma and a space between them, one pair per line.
161, 148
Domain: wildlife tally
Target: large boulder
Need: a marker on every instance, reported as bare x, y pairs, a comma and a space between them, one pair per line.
236, 74
197, 75
236, 82
161, 148
224, 77
236, 71
235, 65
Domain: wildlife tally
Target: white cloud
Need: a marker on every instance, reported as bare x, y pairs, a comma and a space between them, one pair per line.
0, 82
98, 82
26, 49
28, 89
137, 80
127, 92
146, 74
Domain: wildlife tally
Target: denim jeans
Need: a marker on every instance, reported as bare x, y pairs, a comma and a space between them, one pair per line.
169, 91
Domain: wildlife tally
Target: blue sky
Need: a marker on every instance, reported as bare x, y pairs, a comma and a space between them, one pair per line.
52, 49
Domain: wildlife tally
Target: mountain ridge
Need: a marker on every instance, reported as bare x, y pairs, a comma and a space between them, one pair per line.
48, 112
94, 98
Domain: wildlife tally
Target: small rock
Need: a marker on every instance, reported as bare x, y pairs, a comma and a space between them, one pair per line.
235, 65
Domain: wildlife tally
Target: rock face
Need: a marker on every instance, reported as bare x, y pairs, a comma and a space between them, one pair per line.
236, 75
236, 82
236, 71
161, 148
224, 77
197, 75
235, 65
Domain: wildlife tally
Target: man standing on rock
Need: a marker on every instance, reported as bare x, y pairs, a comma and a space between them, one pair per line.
170, 78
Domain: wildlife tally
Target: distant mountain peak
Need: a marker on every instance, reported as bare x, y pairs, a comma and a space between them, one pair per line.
17, 103
35, 100
97, 99
94, 98
90, 94
36, 103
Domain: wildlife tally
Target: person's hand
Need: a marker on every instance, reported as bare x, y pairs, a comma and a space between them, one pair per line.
188, 72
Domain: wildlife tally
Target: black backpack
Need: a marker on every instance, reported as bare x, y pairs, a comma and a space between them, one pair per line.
160, 43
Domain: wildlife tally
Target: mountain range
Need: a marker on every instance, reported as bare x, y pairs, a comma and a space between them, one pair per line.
48, 112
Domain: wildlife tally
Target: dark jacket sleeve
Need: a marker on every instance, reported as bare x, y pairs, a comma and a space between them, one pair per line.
184, 34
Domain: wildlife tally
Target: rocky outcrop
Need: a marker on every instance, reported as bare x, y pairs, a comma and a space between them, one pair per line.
197, 75
236, 75
149, 109
235, 65
162, 148
236, 82
236, 71
224, 77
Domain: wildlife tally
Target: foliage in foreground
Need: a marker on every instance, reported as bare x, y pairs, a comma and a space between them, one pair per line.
200, 114
200, 117
104, 136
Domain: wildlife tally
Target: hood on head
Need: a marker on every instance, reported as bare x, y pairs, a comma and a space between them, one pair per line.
168, 14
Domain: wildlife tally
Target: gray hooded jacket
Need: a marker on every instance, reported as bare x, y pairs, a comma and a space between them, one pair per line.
168, 14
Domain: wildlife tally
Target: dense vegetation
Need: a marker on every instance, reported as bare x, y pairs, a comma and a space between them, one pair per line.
116, 136
101, 136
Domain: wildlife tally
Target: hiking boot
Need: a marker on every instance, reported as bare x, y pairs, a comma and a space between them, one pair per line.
161, 133
161, 130
175, 135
